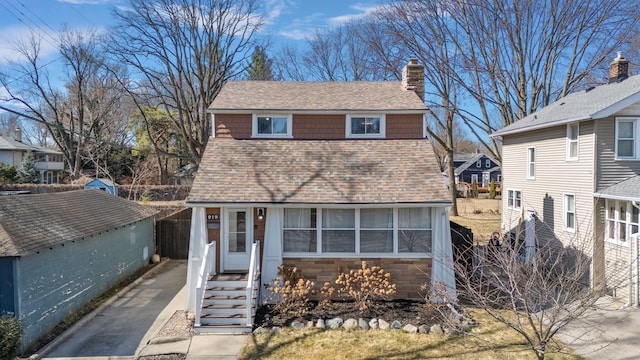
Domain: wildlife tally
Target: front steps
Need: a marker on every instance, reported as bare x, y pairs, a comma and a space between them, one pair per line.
224, 307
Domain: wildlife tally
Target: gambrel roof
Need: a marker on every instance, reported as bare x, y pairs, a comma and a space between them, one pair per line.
318, 172
595, 103
264, 96
29, 223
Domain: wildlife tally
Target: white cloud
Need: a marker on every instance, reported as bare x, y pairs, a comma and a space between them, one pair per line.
85, 2
361, 12
12, 36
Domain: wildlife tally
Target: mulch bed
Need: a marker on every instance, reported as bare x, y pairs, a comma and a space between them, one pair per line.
406, 311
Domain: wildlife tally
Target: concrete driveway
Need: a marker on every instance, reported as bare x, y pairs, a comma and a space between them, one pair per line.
611, 332
126, 322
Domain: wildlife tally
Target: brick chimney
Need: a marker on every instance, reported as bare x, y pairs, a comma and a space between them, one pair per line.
413, 77
17, 135
619, 69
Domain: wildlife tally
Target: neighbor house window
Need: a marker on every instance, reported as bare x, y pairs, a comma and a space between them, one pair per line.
572, 141
487, 163
365, 126
531, 163
514, 199
569, 212
474, 178
621, 221
373, 231
626, 138
479, 163
271, 126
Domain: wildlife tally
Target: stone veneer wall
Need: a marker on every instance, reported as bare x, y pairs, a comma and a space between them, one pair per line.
408, 274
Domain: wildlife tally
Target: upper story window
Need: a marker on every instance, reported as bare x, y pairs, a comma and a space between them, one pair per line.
572, 141
365, 126
487, 163
479, 163
271, 125
531, 163
626, 142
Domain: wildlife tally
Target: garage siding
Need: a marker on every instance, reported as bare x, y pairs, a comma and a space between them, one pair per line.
55, 282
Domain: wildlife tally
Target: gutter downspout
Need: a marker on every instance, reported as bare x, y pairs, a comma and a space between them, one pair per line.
635, 268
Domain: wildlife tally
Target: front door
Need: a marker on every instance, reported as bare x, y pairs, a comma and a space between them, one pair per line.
237, 240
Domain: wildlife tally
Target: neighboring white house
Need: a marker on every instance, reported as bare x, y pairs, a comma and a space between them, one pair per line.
571, 173
49, 163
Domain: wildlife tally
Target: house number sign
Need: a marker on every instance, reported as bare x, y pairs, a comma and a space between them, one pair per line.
213, 218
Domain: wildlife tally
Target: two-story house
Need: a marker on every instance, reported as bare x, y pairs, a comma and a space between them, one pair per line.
570, 172
49, 163
478, 167
320, 176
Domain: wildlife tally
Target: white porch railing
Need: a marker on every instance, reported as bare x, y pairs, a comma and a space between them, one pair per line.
207, 267
254, 276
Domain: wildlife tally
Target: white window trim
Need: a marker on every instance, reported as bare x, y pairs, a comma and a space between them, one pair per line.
565, 212
479, 163
530, 163
383, 127
357, 253
576, 141
636, 144
487, 163
254, 126
513, 205
628, 222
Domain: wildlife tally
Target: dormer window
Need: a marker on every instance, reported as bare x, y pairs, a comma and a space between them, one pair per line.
365, 126
271, 126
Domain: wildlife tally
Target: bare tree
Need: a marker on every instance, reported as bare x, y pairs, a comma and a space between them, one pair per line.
513, 57
183, 51
86, 112
537, 287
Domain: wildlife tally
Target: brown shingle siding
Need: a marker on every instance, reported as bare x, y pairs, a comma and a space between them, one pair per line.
404, 126
237, 126
318, 127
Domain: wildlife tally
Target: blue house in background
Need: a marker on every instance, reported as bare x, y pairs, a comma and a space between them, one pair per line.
104, 185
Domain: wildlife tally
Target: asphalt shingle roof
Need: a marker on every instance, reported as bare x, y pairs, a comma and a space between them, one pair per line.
627, 189
316, 96
596, 103
10, 144
318, 172
29, 223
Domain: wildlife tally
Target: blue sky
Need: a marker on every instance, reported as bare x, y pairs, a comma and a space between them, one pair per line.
286, 20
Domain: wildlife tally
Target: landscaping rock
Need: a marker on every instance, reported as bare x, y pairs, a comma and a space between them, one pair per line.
396, 324
276, 329
298, 325
334, 323
320, 324
436, 330
364, 325
383, 325
260, 330
423, 329
410, 329
373, 323
350, 324
310, 323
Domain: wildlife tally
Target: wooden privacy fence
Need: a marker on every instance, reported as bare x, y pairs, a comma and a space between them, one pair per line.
462, 243
172, 235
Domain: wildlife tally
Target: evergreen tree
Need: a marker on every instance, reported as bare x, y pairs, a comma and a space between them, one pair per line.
7, 174
26, 172
260, 66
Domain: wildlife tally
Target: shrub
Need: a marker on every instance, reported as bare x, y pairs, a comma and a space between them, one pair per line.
366, 285
326, 293
11, 339
290, 294
474, 189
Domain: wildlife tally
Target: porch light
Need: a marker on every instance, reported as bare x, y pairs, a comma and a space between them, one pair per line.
260, 214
